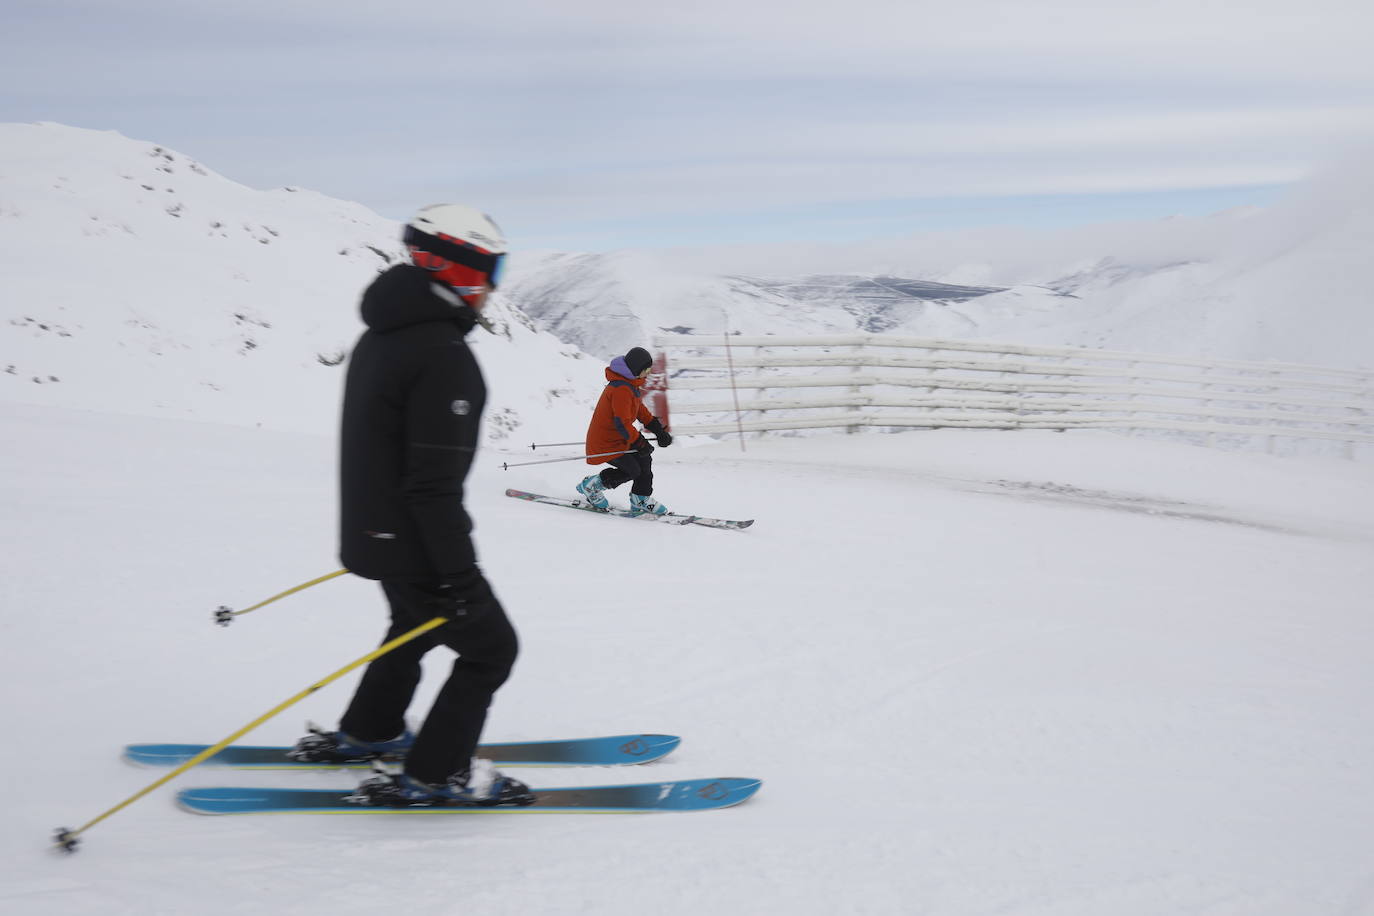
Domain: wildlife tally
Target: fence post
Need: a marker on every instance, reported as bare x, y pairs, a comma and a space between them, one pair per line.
734, 390
854, 369
1211, 435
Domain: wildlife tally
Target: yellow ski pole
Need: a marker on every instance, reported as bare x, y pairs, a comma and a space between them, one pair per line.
66, 838
225, 615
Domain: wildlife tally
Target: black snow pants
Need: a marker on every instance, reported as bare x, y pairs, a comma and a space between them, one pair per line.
636, 466
486, 645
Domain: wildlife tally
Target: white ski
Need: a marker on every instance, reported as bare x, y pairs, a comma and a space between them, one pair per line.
671, 518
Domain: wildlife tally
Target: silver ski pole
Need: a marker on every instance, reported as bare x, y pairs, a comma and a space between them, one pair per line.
535, 445
520, 464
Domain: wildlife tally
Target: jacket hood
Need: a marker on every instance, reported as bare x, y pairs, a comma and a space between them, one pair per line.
617, 371
405, 295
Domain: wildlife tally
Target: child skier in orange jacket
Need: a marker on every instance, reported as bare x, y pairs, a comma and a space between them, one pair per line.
612, 430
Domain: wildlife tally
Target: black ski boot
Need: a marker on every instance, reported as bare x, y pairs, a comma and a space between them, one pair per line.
321, 746
480, 787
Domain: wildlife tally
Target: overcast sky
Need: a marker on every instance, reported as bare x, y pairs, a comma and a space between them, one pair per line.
627, 123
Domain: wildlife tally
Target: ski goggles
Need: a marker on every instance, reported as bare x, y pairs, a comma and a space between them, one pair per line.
456, 252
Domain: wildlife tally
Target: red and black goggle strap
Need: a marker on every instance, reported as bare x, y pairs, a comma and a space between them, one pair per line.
457, 252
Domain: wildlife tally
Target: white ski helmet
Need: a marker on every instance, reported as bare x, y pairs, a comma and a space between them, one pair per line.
463, 246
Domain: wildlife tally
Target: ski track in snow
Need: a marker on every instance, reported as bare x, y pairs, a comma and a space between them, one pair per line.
1051, 492
959, 705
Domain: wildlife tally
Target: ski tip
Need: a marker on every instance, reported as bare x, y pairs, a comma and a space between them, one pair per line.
747, 789
650, 747
707, 794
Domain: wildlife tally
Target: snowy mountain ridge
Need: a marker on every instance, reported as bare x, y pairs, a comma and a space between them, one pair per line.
136, 280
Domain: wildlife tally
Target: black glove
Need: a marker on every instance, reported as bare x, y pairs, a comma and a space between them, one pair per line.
655, 426
642, 446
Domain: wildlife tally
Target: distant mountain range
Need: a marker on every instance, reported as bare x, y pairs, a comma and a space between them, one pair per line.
607, 303
135, 279
1286, 283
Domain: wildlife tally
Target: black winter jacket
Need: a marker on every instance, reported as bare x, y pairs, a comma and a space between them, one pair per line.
411, 413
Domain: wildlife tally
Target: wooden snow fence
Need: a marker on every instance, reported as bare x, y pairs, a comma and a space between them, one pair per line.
717, 385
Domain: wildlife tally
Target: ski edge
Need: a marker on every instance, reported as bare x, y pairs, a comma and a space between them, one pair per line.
679, 795
656, 747
671, 518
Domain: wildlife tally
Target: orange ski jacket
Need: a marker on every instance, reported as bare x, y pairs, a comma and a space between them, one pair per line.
612, 427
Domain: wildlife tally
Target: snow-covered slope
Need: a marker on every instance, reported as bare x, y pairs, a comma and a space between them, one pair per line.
136, 280
1289, 283
1069, 675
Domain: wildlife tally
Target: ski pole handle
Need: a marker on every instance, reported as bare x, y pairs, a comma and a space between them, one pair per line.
520, 464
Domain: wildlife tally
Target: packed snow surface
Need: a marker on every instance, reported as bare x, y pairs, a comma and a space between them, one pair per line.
978, 673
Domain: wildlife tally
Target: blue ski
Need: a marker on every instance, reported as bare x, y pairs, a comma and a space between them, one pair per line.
680, 795
611, 750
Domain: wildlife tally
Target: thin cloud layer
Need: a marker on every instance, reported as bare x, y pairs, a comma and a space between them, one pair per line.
628, 121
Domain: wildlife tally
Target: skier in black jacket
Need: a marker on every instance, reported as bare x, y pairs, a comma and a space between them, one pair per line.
412, 412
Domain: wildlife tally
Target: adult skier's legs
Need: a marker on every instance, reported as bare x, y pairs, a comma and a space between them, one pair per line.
439, 763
